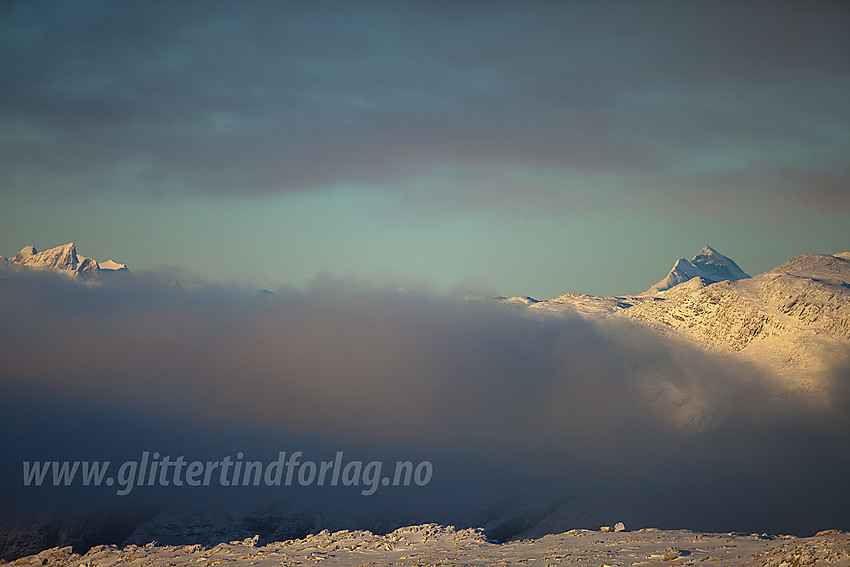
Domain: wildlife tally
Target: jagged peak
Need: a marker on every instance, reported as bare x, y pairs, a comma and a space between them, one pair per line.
63, 258
708, 264
709, 254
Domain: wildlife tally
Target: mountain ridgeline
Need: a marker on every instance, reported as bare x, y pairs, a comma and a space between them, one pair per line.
64, 259
793, 321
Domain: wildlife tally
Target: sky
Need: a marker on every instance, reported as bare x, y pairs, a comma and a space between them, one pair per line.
531, 148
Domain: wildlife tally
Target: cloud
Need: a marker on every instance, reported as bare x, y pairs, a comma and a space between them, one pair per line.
604, 416
268, 99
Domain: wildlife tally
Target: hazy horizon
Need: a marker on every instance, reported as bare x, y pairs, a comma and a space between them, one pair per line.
520, 149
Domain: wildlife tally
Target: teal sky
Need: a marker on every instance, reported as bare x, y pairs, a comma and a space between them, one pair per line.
514, 149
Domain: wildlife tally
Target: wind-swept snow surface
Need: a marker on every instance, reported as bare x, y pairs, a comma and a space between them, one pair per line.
430, 544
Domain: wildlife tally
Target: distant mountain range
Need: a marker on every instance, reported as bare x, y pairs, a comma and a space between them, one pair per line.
793, 321
62, 258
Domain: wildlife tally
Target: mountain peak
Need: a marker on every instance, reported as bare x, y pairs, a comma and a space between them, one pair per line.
708, 253
26, 252
112, 265
64, 258
709, 264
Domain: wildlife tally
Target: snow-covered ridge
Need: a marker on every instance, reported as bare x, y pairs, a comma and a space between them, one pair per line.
432, 544
64, 259
792, 321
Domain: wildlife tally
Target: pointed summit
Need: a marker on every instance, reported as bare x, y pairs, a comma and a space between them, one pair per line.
61, 257
716, 266
26, 252
709, 264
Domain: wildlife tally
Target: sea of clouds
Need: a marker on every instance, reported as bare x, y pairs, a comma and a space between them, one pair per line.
533, 423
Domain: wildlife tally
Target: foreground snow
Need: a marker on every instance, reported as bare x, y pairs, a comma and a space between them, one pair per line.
431, 544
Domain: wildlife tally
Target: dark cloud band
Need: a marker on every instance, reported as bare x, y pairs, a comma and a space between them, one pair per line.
266, 98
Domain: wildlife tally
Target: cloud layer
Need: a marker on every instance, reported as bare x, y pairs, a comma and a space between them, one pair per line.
588, 418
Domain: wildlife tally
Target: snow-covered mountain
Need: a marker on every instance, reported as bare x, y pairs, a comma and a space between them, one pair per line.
64, 259
792, 321
67, 261
709, 265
